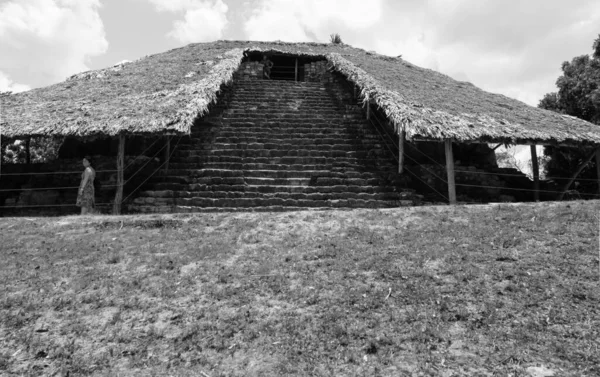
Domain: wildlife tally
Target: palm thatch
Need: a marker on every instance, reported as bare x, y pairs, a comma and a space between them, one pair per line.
165, 93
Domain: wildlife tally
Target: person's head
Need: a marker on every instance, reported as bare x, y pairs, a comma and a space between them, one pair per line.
265, 57
87, 161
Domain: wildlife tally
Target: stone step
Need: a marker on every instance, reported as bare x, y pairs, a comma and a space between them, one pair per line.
305, 117
295, 139
322, 103
278, 134
262, 127
281, 109
299, 145
333, 167
338, 152
289, 85
277, 146
286, 93
289, 91
283, 172
148, 209
298, 122
185, 187
314, 181
366, 163
286, 83
264, 202
148, 197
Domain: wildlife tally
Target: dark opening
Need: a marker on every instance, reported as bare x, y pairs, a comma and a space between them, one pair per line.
284, 66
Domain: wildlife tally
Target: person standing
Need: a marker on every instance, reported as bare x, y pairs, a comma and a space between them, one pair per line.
85, 196
267, 65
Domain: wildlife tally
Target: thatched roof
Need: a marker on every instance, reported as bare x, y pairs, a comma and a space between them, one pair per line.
167, 92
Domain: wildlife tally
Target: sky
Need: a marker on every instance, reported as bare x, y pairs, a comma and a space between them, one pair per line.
512, 47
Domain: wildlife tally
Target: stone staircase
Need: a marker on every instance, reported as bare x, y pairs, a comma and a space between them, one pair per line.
278, 145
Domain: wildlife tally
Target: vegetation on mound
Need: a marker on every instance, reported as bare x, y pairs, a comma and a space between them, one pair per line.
428, 291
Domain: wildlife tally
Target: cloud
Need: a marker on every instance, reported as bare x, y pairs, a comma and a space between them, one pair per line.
309, 20
45, 41
6, 84
203, 21
512, 47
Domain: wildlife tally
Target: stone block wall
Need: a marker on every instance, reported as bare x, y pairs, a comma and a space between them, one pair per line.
317, 72
249, 71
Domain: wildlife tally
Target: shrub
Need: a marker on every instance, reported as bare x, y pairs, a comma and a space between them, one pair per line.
335, 38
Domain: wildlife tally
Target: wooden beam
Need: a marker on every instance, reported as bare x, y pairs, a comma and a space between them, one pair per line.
368, 109
296, 69
120, 165
598, 168
536, 173
167, 154
497, 146
576, 174
401, 137
450, 172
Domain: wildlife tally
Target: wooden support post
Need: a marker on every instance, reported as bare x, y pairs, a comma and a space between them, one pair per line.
368, 109
354, 91
536, 173
296, 70
28, 150
574, 176
401, 137
120, 166
598, 168
167, 154
2, 96
450, 172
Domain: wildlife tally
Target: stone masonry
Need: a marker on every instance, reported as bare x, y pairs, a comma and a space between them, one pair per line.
278, 145
249, 71
317, 72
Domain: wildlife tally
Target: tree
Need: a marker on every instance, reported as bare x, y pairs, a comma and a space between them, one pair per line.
578, 95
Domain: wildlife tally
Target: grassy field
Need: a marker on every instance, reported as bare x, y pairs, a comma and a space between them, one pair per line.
500, 290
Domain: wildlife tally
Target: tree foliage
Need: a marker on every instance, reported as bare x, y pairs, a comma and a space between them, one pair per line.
578, 88
578, 95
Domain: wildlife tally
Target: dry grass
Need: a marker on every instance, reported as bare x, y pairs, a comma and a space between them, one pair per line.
166, 92
429, 291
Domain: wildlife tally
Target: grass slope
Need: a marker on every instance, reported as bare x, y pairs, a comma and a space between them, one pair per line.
426, 291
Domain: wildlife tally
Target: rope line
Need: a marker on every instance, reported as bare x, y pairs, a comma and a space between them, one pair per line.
432, 173
56, 172
429, 157
103, 186
427, 184
151, 175
47, 188
521, 189
150, 159
521, 175
141, 154
51, 205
